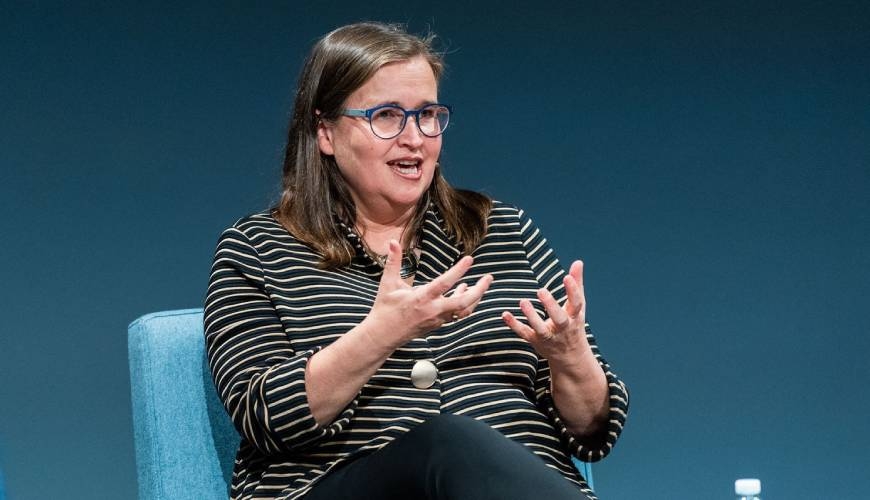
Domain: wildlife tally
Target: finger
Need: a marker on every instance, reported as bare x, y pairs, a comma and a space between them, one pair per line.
468, 311
558, 315
576, 273
535, 321
472, 294
393, 266
456, 312
574, 305
476, 292
522, 330
440, 285
459, 290
575, 296
465, 304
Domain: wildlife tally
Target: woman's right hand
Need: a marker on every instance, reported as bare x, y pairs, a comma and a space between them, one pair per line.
402, 312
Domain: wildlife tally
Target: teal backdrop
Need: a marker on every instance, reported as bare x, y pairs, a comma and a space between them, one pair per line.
708, 160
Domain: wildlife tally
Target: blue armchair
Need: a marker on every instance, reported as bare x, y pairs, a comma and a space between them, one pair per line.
184, 440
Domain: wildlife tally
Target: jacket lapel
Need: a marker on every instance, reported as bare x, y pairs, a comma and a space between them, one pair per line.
438, 251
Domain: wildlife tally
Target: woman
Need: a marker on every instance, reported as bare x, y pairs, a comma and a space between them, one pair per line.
366, 335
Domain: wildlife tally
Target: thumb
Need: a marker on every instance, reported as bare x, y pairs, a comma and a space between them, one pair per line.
393, 266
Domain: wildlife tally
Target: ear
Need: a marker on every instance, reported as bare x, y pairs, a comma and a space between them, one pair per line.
325, 137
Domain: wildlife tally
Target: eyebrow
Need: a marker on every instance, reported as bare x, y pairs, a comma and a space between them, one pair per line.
396, 103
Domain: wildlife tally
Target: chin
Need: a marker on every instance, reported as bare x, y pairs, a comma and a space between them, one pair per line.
407, 199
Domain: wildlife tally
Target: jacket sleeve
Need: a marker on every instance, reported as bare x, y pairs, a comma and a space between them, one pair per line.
549, 275
257, 373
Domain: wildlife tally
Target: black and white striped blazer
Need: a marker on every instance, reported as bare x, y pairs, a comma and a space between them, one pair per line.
269, 308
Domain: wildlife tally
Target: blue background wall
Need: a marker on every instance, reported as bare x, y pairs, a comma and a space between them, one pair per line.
710, 163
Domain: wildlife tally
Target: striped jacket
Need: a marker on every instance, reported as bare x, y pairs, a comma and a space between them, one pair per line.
269, 308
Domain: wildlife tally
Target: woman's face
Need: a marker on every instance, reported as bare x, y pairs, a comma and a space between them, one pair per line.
386, 176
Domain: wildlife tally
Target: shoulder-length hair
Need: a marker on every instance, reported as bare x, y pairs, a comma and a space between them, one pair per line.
314, 191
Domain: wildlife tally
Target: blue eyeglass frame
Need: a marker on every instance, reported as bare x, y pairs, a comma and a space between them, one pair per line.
367, 114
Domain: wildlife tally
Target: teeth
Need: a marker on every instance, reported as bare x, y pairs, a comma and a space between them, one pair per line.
406, 167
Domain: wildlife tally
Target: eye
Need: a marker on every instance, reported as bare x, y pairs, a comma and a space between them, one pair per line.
388, 114
428, 112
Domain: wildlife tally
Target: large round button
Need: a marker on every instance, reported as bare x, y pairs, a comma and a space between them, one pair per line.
423, 374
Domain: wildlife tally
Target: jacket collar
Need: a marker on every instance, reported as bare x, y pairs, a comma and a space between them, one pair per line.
438, 250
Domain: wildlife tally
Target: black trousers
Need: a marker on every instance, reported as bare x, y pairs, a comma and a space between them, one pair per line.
448, 457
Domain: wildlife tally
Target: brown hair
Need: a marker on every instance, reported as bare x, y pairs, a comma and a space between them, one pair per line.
340, 63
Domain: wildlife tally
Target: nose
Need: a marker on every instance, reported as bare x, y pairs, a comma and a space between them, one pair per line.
411, 135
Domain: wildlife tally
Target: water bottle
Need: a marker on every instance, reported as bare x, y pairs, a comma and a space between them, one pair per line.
747, 489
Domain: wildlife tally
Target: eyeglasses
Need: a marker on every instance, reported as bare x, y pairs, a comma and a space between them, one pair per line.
388, 120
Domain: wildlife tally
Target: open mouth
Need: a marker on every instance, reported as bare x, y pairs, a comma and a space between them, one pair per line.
406, 167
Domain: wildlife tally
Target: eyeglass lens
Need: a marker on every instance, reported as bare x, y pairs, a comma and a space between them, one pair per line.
389, 121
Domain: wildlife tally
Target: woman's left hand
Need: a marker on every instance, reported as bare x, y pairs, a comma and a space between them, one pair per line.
577, 381
561, 338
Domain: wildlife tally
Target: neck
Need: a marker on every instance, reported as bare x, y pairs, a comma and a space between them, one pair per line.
377, 231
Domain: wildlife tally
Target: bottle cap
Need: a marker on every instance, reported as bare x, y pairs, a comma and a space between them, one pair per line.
745, 487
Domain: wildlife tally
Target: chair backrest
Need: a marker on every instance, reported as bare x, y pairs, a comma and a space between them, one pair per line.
585, 469
185, 442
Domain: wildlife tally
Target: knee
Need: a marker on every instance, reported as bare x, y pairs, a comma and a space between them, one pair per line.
466, 458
